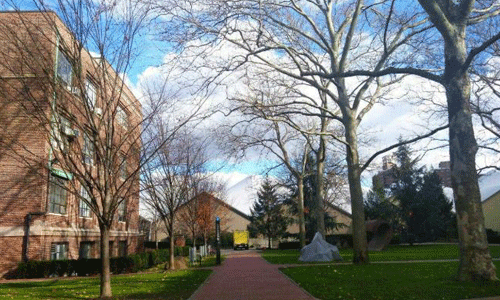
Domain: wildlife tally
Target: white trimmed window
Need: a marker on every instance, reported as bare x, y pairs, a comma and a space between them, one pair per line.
88, 150
121, 116
59, 251
122, 210
64, 68
84, 208
91, 93
59, 129
57, 195
123, 168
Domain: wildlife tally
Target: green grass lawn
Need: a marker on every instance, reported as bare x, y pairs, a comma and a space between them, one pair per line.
169, 285
392, 253
208, 261
389, 281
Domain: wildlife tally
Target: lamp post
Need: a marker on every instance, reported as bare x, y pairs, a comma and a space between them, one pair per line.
217, 234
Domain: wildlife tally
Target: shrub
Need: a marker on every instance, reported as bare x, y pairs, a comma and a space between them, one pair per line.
84, 267
493, 236
289, 245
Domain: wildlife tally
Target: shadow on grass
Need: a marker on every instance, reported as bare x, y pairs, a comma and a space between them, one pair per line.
389, 281
169, 285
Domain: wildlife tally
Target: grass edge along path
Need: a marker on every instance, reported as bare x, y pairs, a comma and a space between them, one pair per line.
169, 285
398, 281
392, 253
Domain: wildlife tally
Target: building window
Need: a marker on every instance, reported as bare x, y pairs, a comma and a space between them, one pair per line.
64, 68
57, 195
123, 168
122, 210
88, 150
60, 130
91, 93
84, 208
111, 248
122, 248
86, 249
121, 116
59, 251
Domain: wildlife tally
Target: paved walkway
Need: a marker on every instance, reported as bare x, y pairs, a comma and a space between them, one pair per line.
245, 275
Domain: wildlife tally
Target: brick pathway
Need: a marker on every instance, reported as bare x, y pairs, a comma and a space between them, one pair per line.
245, 275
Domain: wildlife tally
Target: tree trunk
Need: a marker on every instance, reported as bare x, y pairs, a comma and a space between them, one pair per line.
105, 272
475, 258
320, 188
360, 245
172, 247
302, 222
269, 242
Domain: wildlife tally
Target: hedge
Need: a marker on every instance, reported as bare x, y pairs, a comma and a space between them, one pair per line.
83, 267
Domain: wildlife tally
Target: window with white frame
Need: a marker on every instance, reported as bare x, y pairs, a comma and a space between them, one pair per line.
91, 93
84, 208
57, 195
59, 251
88, 150
64, 68
123, 167
121, 116
122, 210
59, 128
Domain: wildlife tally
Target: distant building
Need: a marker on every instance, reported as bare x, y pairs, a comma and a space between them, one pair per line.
386, 176
200, 213
444, 173
489, 185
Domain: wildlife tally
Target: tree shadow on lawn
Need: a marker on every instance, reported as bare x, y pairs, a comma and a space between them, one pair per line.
168, 285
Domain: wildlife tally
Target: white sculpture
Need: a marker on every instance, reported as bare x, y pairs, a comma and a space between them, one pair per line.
319, 250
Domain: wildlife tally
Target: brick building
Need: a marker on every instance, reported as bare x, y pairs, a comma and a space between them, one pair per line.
444, 173
54, 103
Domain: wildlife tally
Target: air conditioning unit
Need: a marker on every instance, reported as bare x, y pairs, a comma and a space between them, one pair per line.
75, 91
98, 111
67, 131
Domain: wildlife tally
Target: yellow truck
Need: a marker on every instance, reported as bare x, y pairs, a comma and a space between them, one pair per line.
240, 239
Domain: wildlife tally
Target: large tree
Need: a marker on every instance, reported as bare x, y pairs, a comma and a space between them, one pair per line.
69, 66
467, 29
310, 189
308, 41
423, 207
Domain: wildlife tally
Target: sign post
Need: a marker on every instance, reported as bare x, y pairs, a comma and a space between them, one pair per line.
217, 233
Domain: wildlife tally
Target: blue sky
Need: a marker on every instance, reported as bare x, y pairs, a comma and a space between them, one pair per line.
245, 167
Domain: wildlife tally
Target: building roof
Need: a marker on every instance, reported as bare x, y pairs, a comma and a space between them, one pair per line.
219, 201
340, 210
489, 184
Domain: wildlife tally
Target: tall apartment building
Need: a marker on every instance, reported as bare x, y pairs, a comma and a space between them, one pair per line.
56, 103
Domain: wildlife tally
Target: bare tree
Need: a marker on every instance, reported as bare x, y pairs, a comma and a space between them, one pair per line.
308, 41
486, 104
454, 20
170, 176
81, 104
70, 72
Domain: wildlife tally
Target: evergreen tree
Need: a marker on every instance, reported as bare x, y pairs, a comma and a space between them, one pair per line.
379, 206
417, 201
267, 214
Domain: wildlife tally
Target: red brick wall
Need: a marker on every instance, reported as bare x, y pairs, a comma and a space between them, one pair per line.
25, 91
